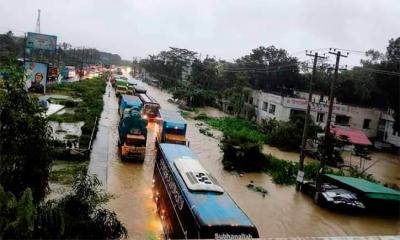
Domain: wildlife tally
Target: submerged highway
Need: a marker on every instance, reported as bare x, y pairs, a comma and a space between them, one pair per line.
283, 212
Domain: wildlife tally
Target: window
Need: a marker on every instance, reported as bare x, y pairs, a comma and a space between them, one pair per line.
366, 123
342, 120
251, 100
272, 109
265, 106
320, 117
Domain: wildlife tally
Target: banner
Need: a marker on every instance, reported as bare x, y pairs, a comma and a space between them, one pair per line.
36, 76
41, 41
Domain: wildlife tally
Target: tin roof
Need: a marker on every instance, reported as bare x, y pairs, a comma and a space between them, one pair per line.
369, 189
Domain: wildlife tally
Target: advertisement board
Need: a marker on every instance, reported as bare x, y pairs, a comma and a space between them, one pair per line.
298, 103
36, 74
41, 41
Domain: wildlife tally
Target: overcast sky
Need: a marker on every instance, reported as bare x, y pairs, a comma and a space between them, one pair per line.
221, 28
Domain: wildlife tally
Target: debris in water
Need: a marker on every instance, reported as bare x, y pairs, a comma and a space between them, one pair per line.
255, 188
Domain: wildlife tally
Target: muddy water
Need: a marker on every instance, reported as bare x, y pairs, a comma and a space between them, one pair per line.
282, 213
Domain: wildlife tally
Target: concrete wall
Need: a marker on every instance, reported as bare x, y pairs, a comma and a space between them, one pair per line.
284, 105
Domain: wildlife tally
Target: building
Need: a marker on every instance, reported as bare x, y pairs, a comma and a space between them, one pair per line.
386, 133
281, 108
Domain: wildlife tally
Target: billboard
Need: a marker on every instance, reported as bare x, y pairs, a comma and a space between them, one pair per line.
41, 41
36, 76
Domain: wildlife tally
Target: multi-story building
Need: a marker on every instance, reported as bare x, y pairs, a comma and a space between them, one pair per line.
270, 106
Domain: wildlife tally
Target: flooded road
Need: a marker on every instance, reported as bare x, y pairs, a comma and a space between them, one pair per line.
282, 213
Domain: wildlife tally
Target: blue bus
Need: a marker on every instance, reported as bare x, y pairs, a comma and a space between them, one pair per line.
190, 201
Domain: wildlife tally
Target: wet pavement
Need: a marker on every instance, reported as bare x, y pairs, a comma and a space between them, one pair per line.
283, 212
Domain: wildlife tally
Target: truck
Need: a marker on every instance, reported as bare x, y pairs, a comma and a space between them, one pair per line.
150, 106
132, 135
122, 86
68, 72
171, 128
128, 102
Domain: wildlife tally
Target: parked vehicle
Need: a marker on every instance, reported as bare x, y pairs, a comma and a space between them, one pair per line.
132, 135
171, 128
68, 72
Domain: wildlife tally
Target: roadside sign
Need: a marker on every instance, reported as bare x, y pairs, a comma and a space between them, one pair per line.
300, 176
41, 41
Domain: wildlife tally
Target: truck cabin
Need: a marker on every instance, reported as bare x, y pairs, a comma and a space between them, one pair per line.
171, 128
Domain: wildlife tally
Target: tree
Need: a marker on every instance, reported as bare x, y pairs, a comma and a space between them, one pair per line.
271, 69
83, 215
169, 66
16, 216
10, 46
25, 140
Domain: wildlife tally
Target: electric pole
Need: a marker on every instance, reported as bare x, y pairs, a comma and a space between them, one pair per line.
307, 117
327, 154
327, 143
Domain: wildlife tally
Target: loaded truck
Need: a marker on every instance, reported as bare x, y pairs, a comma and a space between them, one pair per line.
171, 128
132, 135
128, 102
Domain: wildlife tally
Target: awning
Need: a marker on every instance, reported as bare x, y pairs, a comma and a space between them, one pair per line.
367, 188
354, 136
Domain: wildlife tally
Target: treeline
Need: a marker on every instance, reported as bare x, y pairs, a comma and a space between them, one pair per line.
200, 81
12, 46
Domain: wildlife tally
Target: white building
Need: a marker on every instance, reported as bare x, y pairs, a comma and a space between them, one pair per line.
270, 105
385, 130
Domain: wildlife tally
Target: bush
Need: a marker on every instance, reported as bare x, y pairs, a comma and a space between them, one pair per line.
288, 135
242, 156
83, 216
236, 128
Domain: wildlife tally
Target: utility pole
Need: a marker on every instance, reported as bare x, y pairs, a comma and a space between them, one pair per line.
327, 143
307, 117
327, 138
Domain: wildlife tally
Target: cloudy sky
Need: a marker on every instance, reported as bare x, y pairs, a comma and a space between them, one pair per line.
221, 28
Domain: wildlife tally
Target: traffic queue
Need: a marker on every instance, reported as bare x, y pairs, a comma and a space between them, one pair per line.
189, 200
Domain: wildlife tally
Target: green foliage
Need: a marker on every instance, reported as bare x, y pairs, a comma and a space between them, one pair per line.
91, 92
193, 95
25, 138
287, 135
66, 172
282, 70
237, 128
83, 215
242, 155
16, 217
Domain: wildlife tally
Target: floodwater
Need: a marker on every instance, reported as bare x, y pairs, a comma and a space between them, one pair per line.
61, 130
283, 212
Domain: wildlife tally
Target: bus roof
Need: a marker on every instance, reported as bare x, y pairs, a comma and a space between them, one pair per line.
173, 118
210, 208
147, 99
